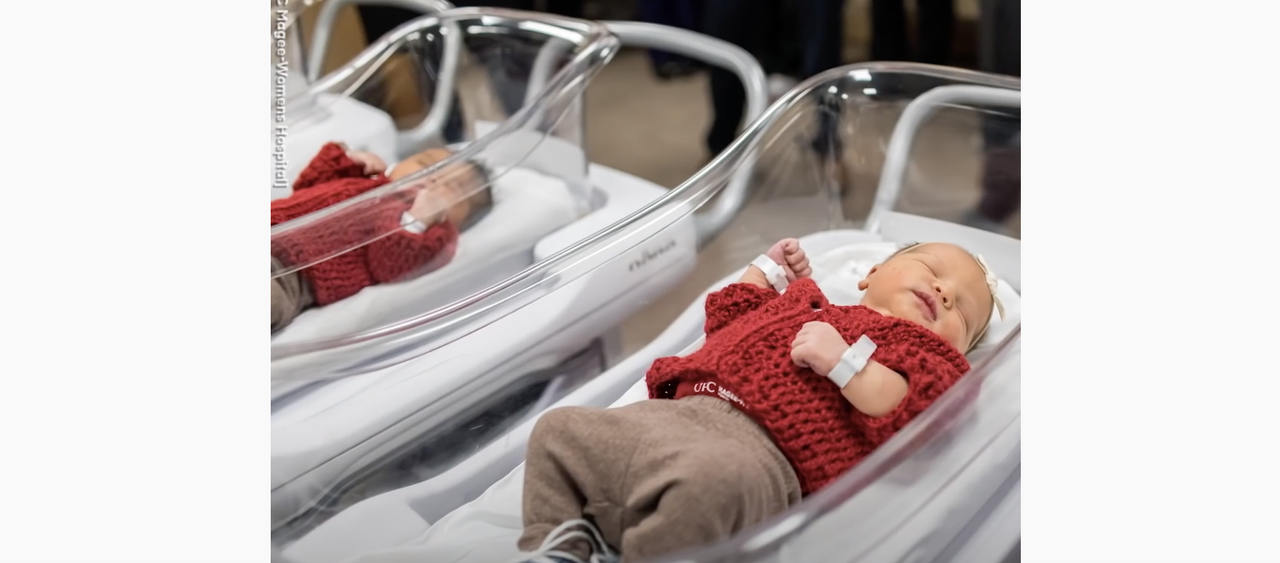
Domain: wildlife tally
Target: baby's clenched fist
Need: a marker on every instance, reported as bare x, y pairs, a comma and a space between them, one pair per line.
788, 254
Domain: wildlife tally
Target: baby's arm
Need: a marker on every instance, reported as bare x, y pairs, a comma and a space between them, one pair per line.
331, 163
753, 288
785, 253
754, 276
927, 378
875, 391
399, 253
911, 369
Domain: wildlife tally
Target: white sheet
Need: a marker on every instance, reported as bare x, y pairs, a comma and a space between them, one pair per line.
486, 529
527, 206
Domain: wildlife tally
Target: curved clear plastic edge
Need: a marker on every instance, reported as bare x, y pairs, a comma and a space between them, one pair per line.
393, 344
946, 470
587, 47
439, 327
397, 342
593, 47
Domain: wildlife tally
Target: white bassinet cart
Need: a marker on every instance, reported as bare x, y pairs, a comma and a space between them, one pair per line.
377, 383
909, 162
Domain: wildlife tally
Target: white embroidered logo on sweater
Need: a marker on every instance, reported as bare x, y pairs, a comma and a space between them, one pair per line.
711, 387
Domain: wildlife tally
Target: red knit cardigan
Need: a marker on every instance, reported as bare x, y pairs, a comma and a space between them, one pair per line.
747, 361
332, 177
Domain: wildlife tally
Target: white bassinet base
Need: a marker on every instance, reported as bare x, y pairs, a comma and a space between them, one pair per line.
429, 522
326, 433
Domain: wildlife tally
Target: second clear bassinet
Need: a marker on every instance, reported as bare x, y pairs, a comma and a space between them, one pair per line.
855, 162
433, 84
378, 380
499, 91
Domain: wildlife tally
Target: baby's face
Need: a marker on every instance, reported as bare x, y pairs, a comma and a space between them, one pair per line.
419, 161
452, 183
938, 286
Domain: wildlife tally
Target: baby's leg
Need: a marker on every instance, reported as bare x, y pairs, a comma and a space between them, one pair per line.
655, 476
289, 297
279, 306
573, 466
704, 472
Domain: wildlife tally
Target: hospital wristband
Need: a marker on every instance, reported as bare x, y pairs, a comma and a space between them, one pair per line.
773, 272
853, 361
412, 224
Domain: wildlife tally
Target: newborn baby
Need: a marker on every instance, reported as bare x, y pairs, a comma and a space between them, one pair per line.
787, 393
393, 236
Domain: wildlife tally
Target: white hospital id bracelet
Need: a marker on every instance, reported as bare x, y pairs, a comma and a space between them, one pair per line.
412, 224
852, 361
773, 272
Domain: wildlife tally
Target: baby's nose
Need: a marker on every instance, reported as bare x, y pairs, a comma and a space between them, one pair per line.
944, 293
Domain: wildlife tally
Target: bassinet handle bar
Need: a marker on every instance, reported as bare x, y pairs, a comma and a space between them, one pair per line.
898, 153
438, 115
696, 46
724, 55
329, 15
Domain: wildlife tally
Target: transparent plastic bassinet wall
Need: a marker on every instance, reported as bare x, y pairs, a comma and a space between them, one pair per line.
397, 382
465, 82
910, 153
867, 154
462, 84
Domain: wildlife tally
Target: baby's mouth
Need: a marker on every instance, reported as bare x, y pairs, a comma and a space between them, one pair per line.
930, 304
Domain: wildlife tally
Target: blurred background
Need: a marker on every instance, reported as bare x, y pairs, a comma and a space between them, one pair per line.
793, 39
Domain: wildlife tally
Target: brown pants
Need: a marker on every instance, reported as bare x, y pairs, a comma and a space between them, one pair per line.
655, 476
290, 296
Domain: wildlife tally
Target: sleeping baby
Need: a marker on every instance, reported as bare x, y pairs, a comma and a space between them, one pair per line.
787, 393
408, 231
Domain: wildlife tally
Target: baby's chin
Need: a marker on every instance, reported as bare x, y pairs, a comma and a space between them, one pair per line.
890, 312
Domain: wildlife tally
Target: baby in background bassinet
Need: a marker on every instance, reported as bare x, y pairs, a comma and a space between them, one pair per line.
787, 393
411, 231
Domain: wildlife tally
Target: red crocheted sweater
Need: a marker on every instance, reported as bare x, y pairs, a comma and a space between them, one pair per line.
332, 177
747, 361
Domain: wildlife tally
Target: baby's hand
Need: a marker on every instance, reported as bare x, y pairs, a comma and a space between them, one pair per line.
372, 164
818, 347
788, 254
429, 204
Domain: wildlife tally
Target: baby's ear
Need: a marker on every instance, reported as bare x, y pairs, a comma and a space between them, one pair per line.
864, 284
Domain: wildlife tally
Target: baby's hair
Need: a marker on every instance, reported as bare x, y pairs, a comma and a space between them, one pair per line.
484, 176
981, 264
482, 199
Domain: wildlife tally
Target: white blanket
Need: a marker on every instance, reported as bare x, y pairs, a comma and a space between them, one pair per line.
527, 206
486, 529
